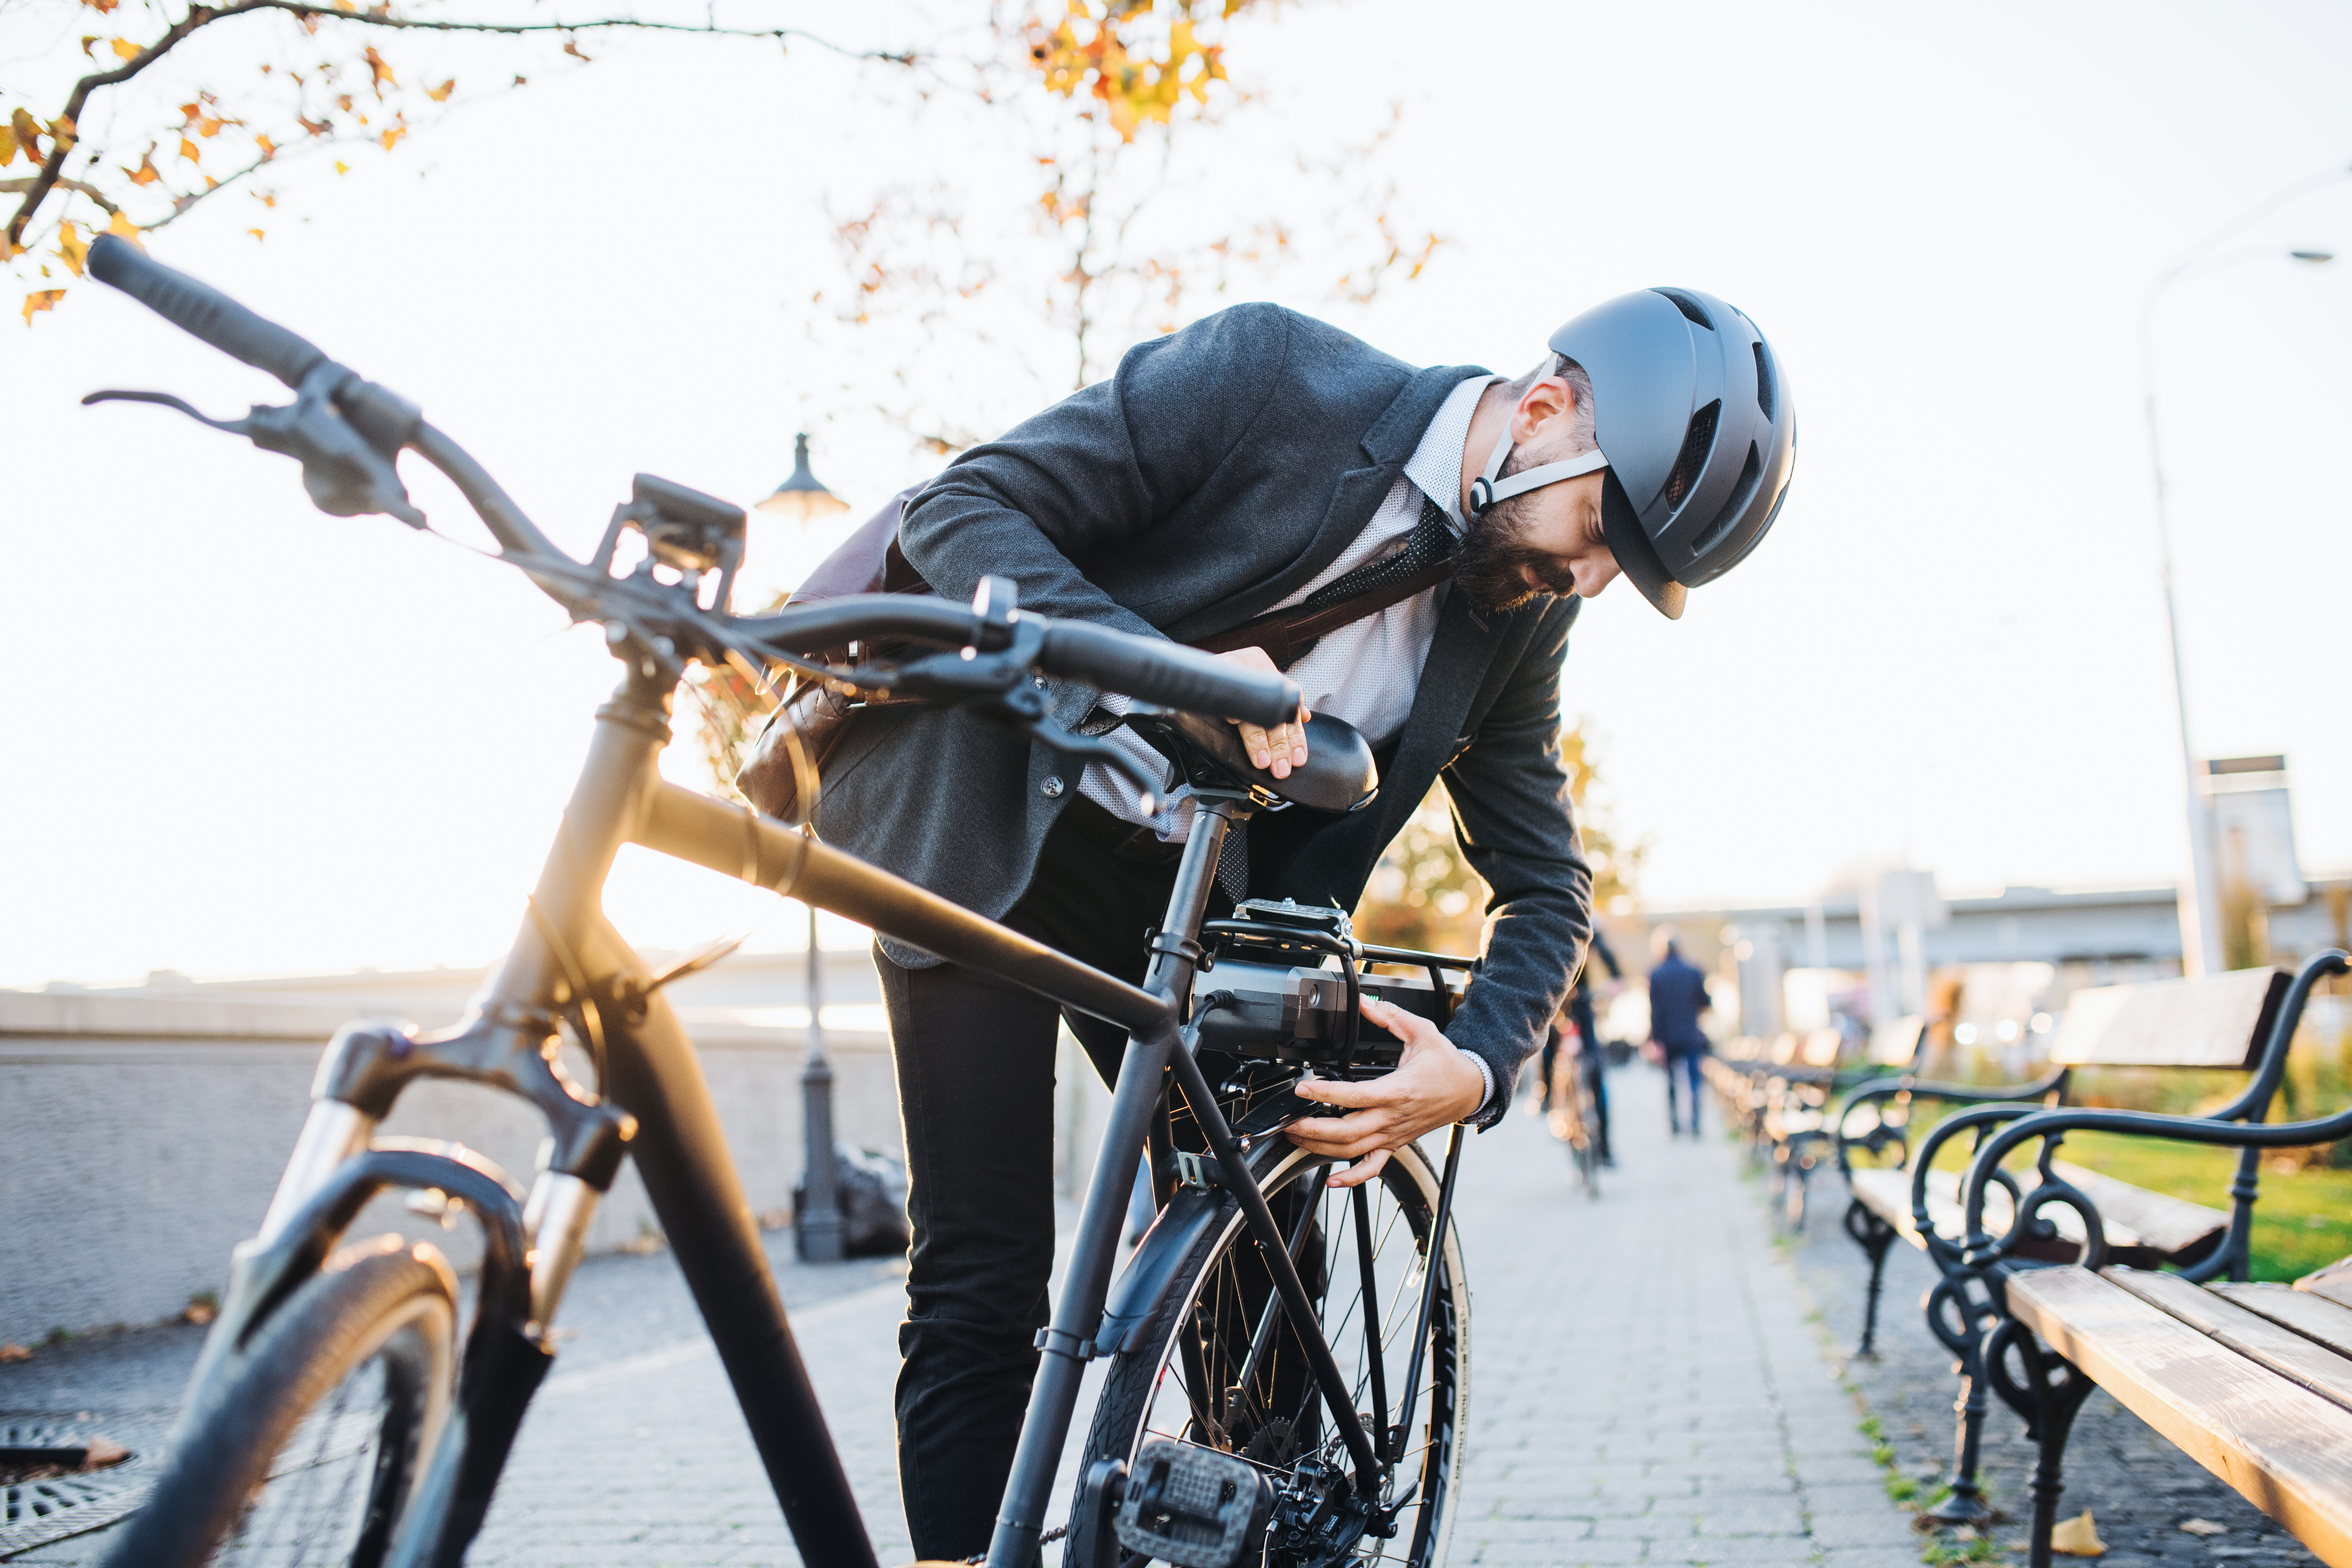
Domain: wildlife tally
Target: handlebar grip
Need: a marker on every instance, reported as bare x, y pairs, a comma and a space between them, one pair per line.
203, 311
1167, 673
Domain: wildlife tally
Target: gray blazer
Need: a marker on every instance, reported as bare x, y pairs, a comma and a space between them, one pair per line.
1213, 477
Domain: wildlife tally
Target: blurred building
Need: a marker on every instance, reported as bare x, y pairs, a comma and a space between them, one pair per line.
1873, 951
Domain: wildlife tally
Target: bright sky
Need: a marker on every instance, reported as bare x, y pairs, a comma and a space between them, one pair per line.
244, 737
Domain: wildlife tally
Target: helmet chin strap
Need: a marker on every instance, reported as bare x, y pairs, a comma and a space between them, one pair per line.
1484, 490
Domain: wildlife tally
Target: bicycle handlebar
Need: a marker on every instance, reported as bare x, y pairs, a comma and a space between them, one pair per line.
203, 311
1158, 672
1169, 674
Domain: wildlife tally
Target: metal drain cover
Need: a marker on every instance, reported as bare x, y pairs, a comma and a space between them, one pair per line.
40, 1508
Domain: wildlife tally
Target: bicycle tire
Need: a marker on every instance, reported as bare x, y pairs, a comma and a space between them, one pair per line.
1136, 1398
261, 1436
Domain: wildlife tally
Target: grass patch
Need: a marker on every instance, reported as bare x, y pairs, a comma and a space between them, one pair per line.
2302, 1220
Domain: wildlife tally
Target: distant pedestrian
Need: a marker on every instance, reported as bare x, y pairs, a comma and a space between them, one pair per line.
1677, 997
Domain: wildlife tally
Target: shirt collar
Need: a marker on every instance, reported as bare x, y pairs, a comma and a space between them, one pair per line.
1435, 465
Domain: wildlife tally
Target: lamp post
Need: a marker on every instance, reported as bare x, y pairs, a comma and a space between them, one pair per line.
2200, 904
801, 497
816, 1223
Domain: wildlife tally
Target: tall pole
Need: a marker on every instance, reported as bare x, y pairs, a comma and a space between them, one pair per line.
2200, 899
2201, 903
817, 1224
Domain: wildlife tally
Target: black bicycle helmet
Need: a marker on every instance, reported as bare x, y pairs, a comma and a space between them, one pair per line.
1696, 427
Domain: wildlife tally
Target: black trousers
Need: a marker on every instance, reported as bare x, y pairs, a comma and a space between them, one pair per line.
975, 1065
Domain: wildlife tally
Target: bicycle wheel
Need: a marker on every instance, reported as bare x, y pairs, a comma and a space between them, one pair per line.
1181, 1381
309, 1443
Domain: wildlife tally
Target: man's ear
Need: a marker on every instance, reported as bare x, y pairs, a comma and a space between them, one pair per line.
1548, 399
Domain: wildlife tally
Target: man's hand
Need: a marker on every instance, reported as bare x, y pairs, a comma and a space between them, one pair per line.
1282, 748
1433, 1084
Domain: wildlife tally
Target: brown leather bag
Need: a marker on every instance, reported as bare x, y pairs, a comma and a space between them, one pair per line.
808, 727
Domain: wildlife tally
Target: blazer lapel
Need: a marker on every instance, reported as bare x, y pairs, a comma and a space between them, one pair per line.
1389, 444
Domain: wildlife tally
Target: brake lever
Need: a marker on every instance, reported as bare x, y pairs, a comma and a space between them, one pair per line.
347, 473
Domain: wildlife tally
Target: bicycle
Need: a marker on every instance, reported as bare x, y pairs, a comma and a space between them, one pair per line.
1573, 1115
1289, 1365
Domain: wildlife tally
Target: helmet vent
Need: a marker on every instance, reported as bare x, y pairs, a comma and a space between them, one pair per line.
1695, 442
1689, 307
1732, 509
1763, 378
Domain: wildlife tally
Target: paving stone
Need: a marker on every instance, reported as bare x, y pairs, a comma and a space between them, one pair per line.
1647, 1389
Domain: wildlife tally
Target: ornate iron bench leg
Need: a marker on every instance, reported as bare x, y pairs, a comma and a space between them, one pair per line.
2055, 1389
1967, 1504
1873, 1236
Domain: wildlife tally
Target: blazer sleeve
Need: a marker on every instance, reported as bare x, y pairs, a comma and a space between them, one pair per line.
1511, 815
1099, 468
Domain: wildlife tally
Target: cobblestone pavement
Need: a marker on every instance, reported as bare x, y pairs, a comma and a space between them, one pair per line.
2139, 1486
1647, 1388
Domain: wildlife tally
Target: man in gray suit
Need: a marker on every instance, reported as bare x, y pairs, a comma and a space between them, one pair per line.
1255, 461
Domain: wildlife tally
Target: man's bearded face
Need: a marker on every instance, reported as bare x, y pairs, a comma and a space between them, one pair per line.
1496, 557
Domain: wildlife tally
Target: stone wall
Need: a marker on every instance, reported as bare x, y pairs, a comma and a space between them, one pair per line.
143, 1134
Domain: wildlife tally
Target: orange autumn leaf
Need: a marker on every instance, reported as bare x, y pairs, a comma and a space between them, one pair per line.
188, 150
41, 300
26, 134
391, 134
269, 148
255, 232
574, 50
209, 127
123, 229
315, 127
146, 173
72, 249
342, 167
441, 94
7, 145
381, 72
88, 39
125, 49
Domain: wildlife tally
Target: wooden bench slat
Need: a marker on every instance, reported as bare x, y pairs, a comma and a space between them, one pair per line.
2283, 1447
2333, 1282
2313, 1316
2211, 1021
2157, 1221
2153, 1226
2224, 1319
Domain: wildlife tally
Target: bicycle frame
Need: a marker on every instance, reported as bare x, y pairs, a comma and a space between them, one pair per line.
569, 966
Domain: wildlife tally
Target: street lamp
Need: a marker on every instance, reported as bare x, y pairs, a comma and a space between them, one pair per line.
801, 497
817, 1223
2201, 903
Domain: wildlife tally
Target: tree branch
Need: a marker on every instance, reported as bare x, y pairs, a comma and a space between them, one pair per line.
52, 167
704, 29
11, 187
199, 16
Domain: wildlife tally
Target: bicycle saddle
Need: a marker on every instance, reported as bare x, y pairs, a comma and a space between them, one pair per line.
1340, 774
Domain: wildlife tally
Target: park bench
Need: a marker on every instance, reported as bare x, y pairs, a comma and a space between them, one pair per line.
2240, 1020
1784, 1095
2222, 1022
2254, 1382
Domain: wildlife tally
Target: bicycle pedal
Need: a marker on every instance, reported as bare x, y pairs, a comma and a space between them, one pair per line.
1194, 1508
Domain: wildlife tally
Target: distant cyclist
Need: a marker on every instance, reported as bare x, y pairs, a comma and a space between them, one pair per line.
1583, 1039
1254, 464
